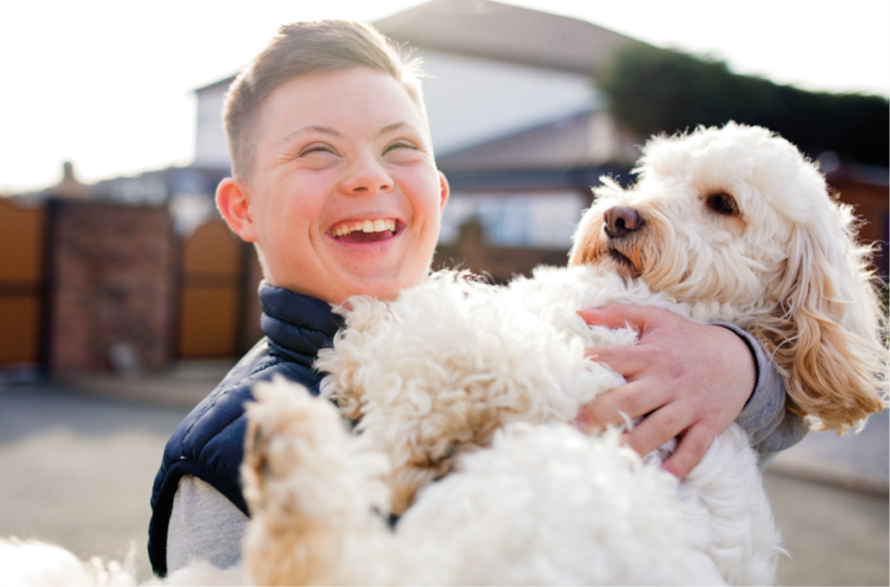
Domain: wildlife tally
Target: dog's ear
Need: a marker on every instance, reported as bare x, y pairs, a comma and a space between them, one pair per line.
828, 340
585, 240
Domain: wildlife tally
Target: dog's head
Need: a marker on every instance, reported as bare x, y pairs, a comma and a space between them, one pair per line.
738, 216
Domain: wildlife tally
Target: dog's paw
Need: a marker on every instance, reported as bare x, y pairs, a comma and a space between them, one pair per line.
299, 457
309, 487
286, 427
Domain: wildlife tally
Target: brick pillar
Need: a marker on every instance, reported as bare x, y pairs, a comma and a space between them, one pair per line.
111, 285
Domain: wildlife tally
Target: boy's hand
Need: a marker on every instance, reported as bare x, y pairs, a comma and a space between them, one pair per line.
691, 379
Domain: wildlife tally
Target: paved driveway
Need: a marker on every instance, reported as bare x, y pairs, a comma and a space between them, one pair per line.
78, 469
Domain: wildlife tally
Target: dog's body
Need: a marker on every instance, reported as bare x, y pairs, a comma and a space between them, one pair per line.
475, 385
481, 399
472, 386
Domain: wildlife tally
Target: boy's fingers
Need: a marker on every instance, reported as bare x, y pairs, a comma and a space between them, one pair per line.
656, 429
693, 446
613, 408
628, 361
617, 316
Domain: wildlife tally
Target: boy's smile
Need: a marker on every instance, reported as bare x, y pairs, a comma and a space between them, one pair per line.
365, 230
344, 197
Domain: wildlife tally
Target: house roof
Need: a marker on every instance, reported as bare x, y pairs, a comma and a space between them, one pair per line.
564, 144
488, 29
492, 30
223, 82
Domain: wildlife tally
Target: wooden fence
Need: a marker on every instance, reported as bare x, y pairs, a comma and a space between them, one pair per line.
22, 283
75, 276
210, 293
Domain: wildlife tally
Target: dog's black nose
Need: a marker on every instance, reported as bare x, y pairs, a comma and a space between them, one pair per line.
622, 220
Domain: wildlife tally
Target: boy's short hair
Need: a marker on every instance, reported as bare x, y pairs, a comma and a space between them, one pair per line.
300, 49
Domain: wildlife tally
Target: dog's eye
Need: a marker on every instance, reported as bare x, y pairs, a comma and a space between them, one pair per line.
723, 204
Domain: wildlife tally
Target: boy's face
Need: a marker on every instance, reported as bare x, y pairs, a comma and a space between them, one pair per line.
344, 197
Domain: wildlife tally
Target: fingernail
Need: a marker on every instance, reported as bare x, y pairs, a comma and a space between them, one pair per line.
668, 470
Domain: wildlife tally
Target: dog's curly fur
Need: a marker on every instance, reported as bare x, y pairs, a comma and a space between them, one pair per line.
471, 386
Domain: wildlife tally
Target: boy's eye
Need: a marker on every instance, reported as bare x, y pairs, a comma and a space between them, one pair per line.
399, 145
316, 149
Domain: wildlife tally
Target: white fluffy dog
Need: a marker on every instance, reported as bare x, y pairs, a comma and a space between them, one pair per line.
462, 392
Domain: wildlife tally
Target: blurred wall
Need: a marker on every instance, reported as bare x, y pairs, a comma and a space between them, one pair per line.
111, 283
870, 198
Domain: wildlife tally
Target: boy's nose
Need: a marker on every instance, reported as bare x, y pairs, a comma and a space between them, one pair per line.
366, 177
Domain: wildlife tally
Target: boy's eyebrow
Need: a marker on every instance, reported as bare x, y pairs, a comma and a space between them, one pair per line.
335, 133
312, 127
391, 128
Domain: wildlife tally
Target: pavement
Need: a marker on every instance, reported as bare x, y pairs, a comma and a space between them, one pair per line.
79, 459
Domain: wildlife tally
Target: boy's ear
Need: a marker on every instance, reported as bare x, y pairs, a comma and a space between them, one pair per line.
233, 200
444, 191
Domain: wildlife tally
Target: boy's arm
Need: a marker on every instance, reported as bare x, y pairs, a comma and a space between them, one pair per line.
204, 525
770, 425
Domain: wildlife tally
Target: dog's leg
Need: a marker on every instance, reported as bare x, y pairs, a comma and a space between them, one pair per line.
311, 493
727, 512
546, 505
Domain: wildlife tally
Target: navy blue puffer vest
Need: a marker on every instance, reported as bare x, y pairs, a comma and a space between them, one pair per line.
209, 443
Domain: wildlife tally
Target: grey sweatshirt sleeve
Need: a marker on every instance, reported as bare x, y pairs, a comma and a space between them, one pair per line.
204, 525
770, 425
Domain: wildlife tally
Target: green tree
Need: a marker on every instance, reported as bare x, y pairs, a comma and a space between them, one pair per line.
652, 90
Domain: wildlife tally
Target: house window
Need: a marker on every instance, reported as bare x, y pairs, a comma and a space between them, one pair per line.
543, 220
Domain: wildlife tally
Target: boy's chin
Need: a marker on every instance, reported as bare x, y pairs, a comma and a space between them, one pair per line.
335, 287
384, 292
382, 288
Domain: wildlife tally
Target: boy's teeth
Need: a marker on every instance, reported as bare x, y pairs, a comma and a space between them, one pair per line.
377, 225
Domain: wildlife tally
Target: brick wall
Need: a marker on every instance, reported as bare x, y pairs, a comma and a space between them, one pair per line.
871, 204
111, 279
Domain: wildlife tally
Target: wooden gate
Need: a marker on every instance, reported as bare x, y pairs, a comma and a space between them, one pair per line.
21, 282
210, 293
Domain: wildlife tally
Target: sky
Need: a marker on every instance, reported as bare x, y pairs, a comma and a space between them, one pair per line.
109, 85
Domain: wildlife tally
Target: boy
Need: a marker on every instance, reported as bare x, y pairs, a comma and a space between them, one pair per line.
334, 180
